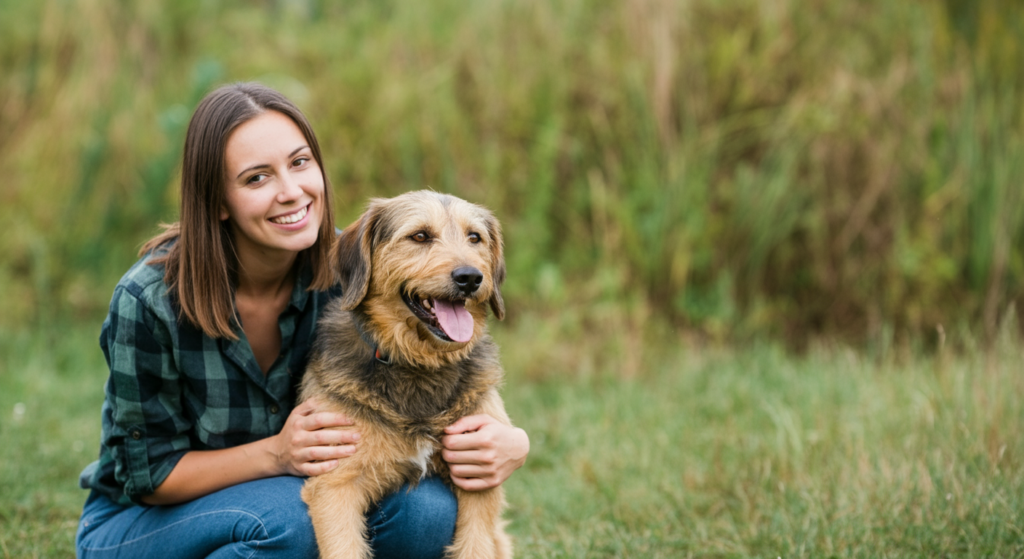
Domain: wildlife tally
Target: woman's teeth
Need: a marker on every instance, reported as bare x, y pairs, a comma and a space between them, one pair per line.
291, 218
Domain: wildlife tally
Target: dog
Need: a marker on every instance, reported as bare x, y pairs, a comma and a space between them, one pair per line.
404, 352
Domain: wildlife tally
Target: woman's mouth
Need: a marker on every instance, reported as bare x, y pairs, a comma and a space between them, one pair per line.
292, 217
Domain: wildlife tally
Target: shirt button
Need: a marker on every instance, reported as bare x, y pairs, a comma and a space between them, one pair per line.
136, 434
274, 409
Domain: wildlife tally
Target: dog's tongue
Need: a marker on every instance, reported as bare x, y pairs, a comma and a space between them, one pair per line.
454, 319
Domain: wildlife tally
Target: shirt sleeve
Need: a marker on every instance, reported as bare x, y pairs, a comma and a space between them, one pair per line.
143, 424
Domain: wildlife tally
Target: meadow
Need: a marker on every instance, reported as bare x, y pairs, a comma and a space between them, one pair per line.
703, 452
764, 255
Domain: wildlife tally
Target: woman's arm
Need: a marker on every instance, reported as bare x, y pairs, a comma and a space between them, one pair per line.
308, 445
482, 452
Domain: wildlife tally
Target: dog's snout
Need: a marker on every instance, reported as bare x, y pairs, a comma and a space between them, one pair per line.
468, 279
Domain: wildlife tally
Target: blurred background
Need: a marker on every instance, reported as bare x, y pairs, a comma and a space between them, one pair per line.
737, 169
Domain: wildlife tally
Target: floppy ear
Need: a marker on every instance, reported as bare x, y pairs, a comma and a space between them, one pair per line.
352, 252
497, 266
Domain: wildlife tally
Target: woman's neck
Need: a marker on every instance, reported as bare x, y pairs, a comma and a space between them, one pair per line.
263, 291
265, 277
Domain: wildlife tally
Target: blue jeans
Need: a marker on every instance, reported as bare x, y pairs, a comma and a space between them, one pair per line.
263, 518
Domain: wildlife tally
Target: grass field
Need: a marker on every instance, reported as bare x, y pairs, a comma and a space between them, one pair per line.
668, 449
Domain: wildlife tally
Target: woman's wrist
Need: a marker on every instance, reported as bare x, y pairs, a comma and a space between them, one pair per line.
267, 456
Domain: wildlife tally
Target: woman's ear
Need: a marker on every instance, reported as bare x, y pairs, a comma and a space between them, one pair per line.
497, 266
353, 252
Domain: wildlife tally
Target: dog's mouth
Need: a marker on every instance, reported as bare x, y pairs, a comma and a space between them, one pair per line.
447, 319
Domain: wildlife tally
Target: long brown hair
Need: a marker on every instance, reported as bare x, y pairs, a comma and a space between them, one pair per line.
201, 266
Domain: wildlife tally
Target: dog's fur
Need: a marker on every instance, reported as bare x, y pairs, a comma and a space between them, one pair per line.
401, 382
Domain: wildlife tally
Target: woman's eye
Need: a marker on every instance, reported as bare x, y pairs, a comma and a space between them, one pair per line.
474, 238
420, 237
256, 178
300, 162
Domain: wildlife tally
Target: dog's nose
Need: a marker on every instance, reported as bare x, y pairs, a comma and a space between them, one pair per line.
468, 279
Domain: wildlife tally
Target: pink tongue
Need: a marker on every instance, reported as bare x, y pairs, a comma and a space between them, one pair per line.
454, 319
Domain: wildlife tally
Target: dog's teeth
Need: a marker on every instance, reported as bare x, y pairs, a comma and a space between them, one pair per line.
426, 304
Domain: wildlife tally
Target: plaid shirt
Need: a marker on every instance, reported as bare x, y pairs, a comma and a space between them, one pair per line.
173, 389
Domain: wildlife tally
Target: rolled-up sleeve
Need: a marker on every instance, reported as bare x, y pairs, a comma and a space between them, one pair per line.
144, 427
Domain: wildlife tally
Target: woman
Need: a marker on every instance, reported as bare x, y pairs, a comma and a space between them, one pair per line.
202, 453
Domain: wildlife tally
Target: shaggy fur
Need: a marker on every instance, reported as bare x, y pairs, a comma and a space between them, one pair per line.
399, 376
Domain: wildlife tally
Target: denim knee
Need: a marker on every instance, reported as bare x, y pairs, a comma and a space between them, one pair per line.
416, 522
287, 523
265, 516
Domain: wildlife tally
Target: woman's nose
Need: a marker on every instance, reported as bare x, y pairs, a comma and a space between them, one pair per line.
290, 189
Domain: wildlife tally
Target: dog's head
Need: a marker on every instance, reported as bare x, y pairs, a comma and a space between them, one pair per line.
423, 267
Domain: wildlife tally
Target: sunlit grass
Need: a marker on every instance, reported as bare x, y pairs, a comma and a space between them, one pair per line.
754, 453
703, 452
51, 387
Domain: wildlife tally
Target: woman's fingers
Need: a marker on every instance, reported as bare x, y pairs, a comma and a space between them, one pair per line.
327, 437
314, 440
322, 453
469, 423
474, 483
311, 469
322, 420
478, 457
470, 471
470, 441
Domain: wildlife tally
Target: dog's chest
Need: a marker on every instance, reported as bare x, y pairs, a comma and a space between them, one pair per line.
426, 401
421, 459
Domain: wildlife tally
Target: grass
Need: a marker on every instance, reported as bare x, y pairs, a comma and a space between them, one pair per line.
663, 448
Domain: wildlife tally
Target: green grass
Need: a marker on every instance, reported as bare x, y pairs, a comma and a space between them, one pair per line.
663, 448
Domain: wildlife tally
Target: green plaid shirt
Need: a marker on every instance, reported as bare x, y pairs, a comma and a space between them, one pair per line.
173, 389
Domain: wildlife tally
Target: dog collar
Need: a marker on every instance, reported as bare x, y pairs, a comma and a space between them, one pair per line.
378, 355
381, 357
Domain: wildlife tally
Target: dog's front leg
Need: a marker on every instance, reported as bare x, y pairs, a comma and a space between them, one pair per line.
479, 529
337, 504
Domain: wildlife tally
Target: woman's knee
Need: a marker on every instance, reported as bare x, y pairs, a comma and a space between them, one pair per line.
265, 515
281, 519
414, 522
430, 502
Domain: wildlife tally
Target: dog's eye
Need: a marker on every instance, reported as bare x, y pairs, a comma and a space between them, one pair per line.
420, 237
474, 238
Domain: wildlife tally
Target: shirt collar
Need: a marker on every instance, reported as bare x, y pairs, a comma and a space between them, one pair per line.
300, 293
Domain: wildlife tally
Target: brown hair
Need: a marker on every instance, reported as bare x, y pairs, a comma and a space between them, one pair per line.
201, 266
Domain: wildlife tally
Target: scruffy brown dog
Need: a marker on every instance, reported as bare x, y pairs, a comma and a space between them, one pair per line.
405, 352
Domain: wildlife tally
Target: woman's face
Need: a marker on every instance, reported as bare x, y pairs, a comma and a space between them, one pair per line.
274, 189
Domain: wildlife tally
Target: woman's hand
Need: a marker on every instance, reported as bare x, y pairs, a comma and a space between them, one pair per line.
482, 452
308, 446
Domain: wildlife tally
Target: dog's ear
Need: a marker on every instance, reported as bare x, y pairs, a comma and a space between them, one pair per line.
497, 265
352, 253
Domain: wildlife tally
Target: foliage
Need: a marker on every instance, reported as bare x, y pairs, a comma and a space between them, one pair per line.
738, 168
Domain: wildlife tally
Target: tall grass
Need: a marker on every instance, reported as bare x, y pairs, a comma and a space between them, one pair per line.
741, 167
